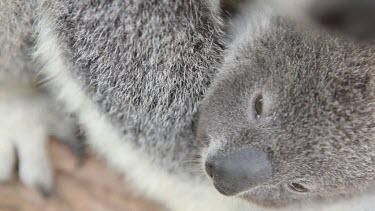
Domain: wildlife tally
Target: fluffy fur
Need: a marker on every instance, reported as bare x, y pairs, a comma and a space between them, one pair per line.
146, 66
29, 116
134, 73
317, 122
127, 148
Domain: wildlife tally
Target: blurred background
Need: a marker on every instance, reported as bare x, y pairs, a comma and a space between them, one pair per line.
89, 186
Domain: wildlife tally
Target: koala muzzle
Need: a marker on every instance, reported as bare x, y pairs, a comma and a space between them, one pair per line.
239, 171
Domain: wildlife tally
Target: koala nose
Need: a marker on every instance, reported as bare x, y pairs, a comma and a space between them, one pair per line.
239, 171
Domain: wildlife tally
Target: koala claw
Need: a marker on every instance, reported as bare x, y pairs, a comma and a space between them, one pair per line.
34, 166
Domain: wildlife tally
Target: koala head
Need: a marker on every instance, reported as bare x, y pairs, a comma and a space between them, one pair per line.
291, 118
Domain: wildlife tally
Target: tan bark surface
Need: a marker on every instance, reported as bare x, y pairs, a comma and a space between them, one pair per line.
89, 187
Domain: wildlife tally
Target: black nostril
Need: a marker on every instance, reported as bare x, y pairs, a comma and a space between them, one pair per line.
209, 168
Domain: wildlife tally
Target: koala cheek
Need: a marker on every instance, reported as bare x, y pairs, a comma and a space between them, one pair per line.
202, 136
203, 141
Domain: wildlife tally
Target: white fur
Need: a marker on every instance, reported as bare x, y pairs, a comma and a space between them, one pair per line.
25, 121
7, 156
176, 193
251, 21
24, 127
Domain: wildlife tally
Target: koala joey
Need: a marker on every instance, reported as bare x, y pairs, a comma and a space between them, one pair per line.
289, 117
286, 121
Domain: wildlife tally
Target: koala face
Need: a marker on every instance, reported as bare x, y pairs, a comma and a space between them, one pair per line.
291, 118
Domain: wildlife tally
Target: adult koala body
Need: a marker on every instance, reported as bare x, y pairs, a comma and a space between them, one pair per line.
133, 73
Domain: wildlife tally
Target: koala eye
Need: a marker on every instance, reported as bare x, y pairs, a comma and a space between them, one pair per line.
258, 107
297, 187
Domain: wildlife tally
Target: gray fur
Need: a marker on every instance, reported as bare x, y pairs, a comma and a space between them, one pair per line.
16, 40
318, 121
177, 60
18, 69
147, 64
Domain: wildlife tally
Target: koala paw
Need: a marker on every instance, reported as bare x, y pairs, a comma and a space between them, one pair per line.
24, 133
